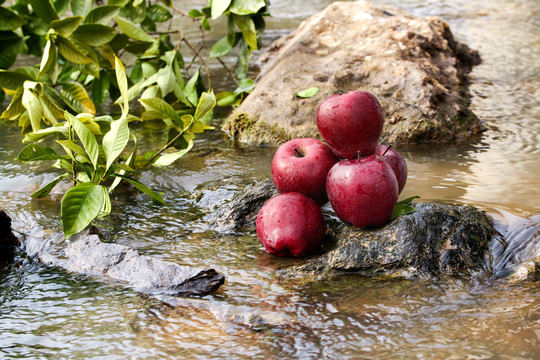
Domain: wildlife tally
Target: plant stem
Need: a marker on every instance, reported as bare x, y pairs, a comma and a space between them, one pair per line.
385, 151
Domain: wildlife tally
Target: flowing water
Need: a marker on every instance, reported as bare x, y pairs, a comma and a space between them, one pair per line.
47, 313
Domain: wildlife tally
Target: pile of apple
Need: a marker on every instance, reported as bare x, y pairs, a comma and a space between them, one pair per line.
361, 179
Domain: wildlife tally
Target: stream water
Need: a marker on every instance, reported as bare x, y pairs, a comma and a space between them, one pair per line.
47, 313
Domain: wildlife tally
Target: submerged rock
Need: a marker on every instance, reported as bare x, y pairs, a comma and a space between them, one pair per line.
413, 65
117, 263
435, 240
8, 241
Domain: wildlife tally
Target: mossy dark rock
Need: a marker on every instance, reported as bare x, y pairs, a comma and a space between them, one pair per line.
413, 65
240, 213
435, 240
8, 241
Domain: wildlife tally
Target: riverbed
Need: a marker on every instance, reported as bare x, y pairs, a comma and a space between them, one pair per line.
48, 313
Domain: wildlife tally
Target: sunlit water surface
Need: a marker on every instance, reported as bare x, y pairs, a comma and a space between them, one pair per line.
47, 313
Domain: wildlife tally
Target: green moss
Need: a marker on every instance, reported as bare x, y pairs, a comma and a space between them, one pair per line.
251, 129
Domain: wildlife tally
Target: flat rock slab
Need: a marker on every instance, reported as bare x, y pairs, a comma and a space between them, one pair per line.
413, 65
88, 255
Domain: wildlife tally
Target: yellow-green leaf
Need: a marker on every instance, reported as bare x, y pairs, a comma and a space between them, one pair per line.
132, 30
77, 98
71, 52
65, 27
94, 34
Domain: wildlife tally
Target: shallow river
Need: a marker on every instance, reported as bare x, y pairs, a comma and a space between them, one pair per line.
47, 313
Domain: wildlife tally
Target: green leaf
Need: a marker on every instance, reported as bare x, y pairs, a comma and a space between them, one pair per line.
48, 59
34, 152
9, 20
221, 48
94, 34
161, 107
132, 30
101, 15
72, 148
158, 13
219, 7
166, 80
145, 189
115, 141
31, 103
246, 7
307, 93
12, 79
242, 64
403, 207
38, 135
71, 52
191, 89
206, 103
100, 88
129, 162
75, 95
15, 107
44, 9
225, 98
12, 46
86, 137
46, 189
50, 112
65, 27
168, 159
194, 13
80, 206
81, 7
61, 6
121, 79
245, 86
247, 27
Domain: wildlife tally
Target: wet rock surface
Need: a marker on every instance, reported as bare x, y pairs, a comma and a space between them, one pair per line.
8, 241
240, 213
88, 255
413, 65
435, 240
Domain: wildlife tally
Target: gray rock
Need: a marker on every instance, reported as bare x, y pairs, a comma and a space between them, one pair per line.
243, 315
120, 264
435, 240
240, 213
413, 65
8, 241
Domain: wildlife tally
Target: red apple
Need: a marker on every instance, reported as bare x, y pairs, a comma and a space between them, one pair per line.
396, 162
351, 122
290, 224
301, 165
363, 191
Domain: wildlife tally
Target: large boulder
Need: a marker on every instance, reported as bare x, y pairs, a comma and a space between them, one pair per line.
413, 65
435, 240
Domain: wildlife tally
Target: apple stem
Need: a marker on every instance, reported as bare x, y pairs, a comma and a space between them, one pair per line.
385, 151
358, 155
298, 152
